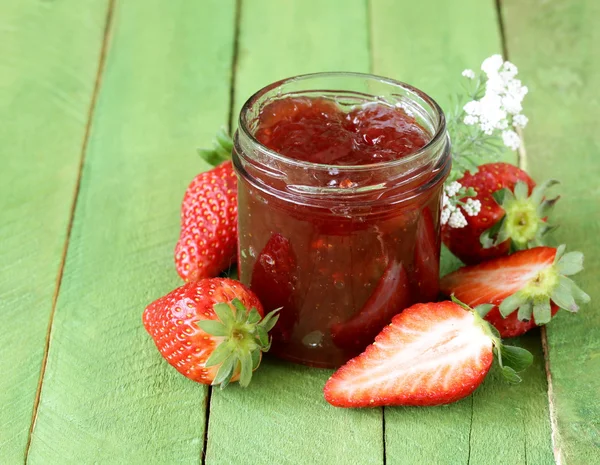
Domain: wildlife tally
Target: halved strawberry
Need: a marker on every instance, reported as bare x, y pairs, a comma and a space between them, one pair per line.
430, 354
512, 216
526, 288
391, 296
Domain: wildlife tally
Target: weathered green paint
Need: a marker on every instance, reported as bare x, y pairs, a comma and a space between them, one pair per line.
282, 417
428, 44
108, 396
283, 39
555, 46
48, 59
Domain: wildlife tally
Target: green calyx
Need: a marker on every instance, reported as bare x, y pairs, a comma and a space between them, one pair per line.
221, 151
245, 337
511, 359
550, 285
524, 217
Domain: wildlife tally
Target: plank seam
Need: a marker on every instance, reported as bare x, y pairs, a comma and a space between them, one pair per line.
61, 266
522, 162
206, 419
383, 434
234, 64
369, 35
551, 407
471, 428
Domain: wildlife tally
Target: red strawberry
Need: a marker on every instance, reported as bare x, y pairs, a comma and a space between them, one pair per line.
524, 289
430, 354
208, 239
508, 219
390, 297
210, 330
273, 279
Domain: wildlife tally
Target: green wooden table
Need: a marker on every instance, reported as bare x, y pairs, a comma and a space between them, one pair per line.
102, 104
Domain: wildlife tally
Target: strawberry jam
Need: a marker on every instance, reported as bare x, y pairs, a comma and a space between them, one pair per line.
339, 200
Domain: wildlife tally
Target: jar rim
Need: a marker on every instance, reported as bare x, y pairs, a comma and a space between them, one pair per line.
439, 134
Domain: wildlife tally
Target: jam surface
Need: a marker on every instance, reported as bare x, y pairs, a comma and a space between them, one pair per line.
339, 276
317, 130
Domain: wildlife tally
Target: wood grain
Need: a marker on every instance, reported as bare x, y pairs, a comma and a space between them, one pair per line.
49, 55
555, 46
108, 396
282, 417
428, 44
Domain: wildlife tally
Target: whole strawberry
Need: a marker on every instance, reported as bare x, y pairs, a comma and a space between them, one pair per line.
208, 239
211, 331
512, 215
524, 290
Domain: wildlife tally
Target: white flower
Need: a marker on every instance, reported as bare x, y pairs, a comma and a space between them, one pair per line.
511, 139
509, 71
512, 104
492, 64
457, 220
520, 121
472, 207
469, 74
470, 120
445, 215
453, 188
472, 108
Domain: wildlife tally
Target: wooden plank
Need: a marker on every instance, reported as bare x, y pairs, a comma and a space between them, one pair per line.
49, 53
428, 44
555, 46
282, 417
108, 396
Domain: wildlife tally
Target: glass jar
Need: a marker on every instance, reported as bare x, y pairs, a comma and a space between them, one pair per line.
342, 249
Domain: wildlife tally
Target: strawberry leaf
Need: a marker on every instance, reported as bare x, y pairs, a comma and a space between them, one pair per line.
219, 355
570, 263
484, 309
224, 313
516, 358
511, 303
541, 311
253, 316
525, 311
256, 357
521, 190
539, 192
270, 320
562, 296
225, 372
212, 327
221, 151
511, 375
246, 369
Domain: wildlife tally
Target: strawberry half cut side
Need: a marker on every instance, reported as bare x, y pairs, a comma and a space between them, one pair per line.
524, 221
430, 354
524, 289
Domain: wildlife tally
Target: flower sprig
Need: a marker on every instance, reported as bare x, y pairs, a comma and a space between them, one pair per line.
486, 117
484, 121
456, 195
